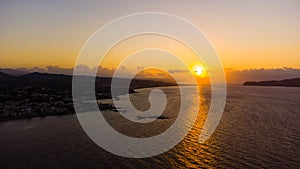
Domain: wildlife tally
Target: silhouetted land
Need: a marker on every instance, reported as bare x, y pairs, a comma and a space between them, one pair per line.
287, 82
41, 94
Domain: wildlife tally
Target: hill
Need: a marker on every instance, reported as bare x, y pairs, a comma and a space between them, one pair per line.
13, 72
41, 94
286, 82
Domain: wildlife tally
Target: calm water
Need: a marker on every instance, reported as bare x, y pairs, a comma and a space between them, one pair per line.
260, 128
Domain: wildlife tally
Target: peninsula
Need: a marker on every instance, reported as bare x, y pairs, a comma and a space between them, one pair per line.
286, 82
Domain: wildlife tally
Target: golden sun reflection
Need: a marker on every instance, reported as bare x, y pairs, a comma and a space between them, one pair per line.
200, 73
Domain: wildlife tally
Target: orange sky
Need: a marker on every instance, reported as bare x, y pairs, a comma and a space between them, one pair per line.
246, 35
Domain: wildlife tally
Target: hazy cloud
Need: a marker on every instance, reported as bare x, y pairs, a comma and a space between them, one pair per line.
104, 72
178, 71
59, 70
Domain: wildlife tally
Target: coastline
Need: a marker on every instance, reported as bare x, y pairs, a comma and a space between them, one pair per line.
106, 105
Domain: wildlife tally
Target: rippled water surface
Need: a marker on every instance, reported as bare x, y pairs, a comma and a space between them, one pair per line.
260, 128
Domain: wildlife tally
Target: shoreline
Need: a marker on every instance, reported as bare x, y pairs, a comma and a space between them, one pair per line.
105, 106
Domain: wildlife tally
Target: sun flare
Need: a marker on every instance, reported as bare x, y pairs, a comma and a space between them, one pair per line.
198, 71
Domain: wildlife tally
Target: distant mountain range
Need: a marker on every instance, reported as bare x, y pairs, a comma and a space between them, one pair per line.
35, 79
14, 72
61, 81
286, 82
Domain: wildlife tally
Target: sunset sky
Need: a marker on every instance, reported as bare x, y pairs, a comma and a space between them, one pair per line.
246, 34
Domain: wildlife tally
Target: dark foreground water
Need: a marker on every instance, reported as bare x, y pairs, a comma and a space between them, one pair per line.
260, 128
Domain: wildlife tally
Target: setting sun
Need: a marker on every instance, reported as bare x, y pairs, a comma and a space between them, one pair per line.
198, 70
